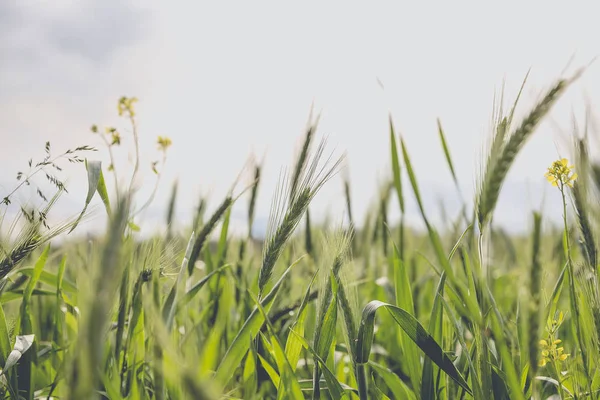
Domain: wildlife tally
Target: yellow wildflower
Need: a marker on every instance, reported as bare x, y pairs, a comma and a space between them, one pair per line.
164, 143
550, 351
560, 173
116, 138
126, 106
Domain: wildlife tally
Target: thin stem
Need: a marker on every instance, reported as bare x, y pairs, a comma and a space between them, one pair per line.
573, 292
136, 141
361, 380
316, 394
567, 240
112, 163
556, 368
151, 198
484, 273
35, 171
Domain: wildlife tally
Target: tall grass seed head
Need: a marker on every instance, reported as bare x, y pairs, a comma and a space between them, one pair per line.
560, 173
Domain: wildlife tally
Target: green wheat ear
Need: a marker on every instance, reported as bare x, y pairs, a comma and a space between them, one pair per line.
504, 149
32, 237
288, 207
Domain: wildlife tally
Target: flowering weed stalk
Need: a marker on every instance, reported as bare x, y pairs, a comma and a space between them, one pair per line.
561, 175
552, 354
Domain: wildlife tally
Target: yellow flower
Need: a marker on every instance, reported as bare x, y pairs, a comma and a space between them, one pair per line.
550, 351
126, 106
116, 138
164, 143
560, 173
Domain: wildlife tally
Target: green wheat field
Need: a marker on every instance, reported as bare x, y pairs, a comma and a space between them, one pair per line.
312, 310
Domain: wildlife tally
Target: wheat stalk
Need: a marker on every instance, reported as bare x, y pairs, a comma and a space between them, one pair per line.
288, 208
498, 166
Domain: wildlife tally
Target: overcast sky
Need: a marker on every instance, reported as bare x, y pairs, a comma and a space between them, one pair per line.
228, 79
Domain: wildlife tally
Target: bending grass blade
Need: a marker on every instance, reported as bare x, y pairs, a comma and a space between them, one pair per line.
95, 184
51, 279
415, 332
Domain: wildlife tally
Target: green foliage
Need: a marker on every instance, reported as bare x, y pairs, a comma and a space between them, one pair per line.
239, 317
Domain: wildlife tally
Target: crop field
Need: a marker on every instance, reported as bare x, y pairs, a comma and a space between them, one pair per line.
460, 310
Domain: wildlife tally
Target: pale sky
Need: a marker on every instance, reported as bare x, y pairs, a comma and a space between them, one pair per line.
227, 79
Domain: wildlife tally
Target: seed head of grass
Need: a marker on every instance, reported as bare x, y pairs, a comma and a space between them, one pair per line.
205, 232
287, 208
507, 149
339, 246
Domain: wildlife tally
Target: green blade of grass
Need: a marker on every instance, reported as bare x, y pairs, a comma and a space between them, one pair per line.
194, 290
293, 346
415, 332
169, 307
428, 383
290, 387
51, 279
393, 382
325, 330
446, 151
396, 166
95, 184
25, 368
270, 371
252, 325
335, 388
477, 391
404, 300
433, 235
